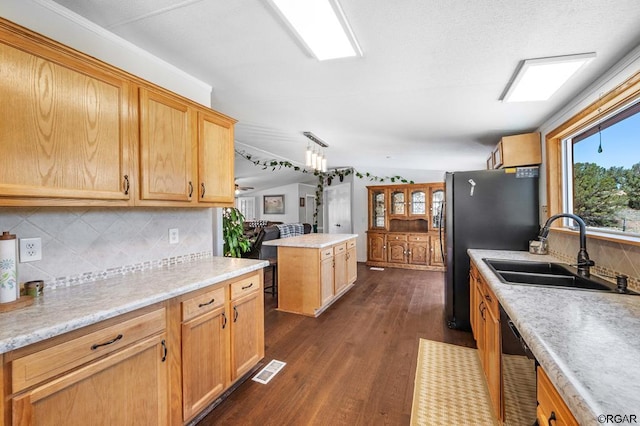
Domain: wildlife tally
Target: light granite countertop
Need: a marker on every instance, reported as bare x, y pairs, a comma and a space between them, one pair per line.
310, 240
587, 342
65, 309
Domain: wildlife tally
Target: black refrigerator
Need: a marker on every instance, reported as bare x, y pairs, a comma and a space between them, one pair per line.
485, 209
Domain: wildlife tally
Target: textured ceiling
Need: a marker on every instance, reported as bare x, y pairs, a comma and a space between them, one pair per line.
423, 96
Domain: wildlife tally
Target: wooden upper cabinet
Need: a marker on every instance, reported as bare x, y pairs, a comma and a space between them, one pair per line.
417, 202
77, 131
66, 128
167, 148
377, 208
515, 151
397, 202
215, 159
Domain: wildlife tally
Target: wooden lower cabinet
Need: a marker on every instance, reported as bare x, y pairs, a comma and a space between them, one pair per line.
160, 365
485, 324
340, 279
551, 409
420, 251
377, 247
247, 332
205, 348
352, 262
310, 279
128, 387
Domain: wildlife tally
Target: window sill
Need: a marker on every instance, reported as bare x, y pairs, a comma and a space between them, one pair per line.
621, 239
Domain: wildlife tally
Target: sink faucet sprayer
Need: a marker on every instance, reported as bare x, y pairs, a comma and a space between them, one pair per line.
584, 263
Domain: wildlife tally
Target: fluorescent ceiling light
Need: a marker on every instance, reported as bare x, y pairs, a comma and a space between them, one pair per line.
321, 27
539, 79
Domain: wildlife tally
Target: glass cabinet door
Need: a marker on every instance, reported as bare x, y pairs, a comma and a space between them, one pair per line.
437, 203
398, 203
418, 202
377, 209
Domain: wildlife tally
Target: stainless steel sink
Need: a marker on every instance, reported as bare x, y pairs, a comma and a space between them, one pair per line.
547, 274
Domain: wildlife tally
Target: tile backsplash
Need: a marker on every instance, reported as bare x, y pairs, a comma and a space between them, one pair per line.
91, 242
610, 257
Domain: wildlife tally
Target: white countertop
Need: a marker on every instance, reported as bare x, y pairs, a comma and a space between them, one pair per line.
310, 240
587, 342
68, 308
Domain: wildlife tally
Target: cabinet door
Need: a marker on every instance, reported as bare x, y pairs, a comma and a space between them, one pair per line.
419, 251
167, 148
205, 372
127, 387
377, 247
51, 150
492, 361
215, 159
436, 213
398, 202
340, 270
352, 265
377, 209
326, 280
397, 251
418, 203
247, 333
436, 251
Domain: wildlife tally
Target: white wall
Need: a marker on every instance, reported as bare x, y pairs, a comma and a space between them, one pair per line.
303, 191
291, 203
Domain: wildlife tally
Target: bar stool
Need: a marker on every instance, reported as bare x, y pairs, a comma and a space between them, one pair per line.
273, 288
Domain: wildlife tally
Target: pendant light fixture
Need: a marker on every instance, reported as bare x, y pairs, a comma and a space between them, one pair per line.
316, 158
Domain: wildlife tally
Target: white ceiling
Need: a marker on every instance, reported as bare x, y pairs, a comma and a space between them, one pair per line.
424, 95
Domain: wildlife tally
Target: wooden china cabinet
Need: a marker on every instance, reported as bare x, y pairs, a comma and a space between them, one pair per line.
406, 226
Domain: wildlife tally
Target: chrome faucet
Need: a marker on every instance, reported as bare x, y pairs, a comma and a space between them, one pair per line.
584, 263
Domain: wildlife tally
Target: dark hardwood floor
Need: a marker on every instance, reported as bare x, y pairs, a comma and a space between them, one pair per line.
353, 365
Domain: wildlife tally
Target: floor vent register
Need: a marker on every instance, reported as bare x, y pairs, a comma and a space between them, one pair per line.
270, 370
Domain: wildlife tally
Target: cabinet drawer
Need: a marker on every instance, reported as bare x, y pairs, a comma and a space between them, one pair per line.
422, 238
203, 303
326, 253
490, 300
396, 237
40, 366
351, 243
340, 248
245, 286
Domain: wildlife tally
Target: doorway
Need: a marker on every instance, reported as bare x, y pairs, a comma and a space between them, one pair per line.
338, 201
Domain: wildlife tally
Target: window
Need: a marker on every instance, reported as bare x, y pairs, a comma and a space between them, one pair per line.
602, 172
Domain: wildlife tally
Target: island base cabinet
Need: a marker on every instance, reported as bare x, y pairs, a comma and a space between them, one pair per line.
126, 388
310, 279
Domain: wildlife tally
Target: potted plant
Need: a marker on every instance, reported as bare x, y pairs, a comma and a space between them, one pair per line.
235, 243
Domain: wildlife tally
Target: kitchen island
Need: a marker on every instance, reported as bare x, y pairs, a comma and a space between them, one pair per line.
314, 270
140, 339
586, 342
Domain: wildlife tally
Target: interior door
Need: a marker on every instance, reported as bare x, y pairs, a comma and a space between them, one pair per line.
338, 209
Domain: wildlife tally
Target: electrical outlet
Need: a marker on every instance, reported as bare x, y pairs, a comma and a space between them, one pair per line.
174, 236
30, 249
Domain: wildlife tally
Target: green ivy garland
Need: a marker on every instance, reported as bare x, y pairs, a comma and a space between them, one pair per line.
322, 176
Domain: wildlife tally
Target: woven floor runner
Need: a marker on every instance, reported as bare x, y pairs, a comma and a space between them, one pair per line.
450, 388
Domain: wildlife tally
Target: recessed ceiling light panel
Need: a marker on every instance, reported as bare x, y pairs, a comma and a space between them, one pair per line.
538, 79
321, 27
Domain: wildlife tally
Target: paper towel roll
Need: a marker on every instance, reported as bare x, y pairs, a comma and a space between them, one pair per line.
8, 268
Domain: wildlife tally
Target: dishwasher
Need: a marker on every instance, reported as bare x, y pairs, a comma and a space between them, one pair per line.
518, 376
